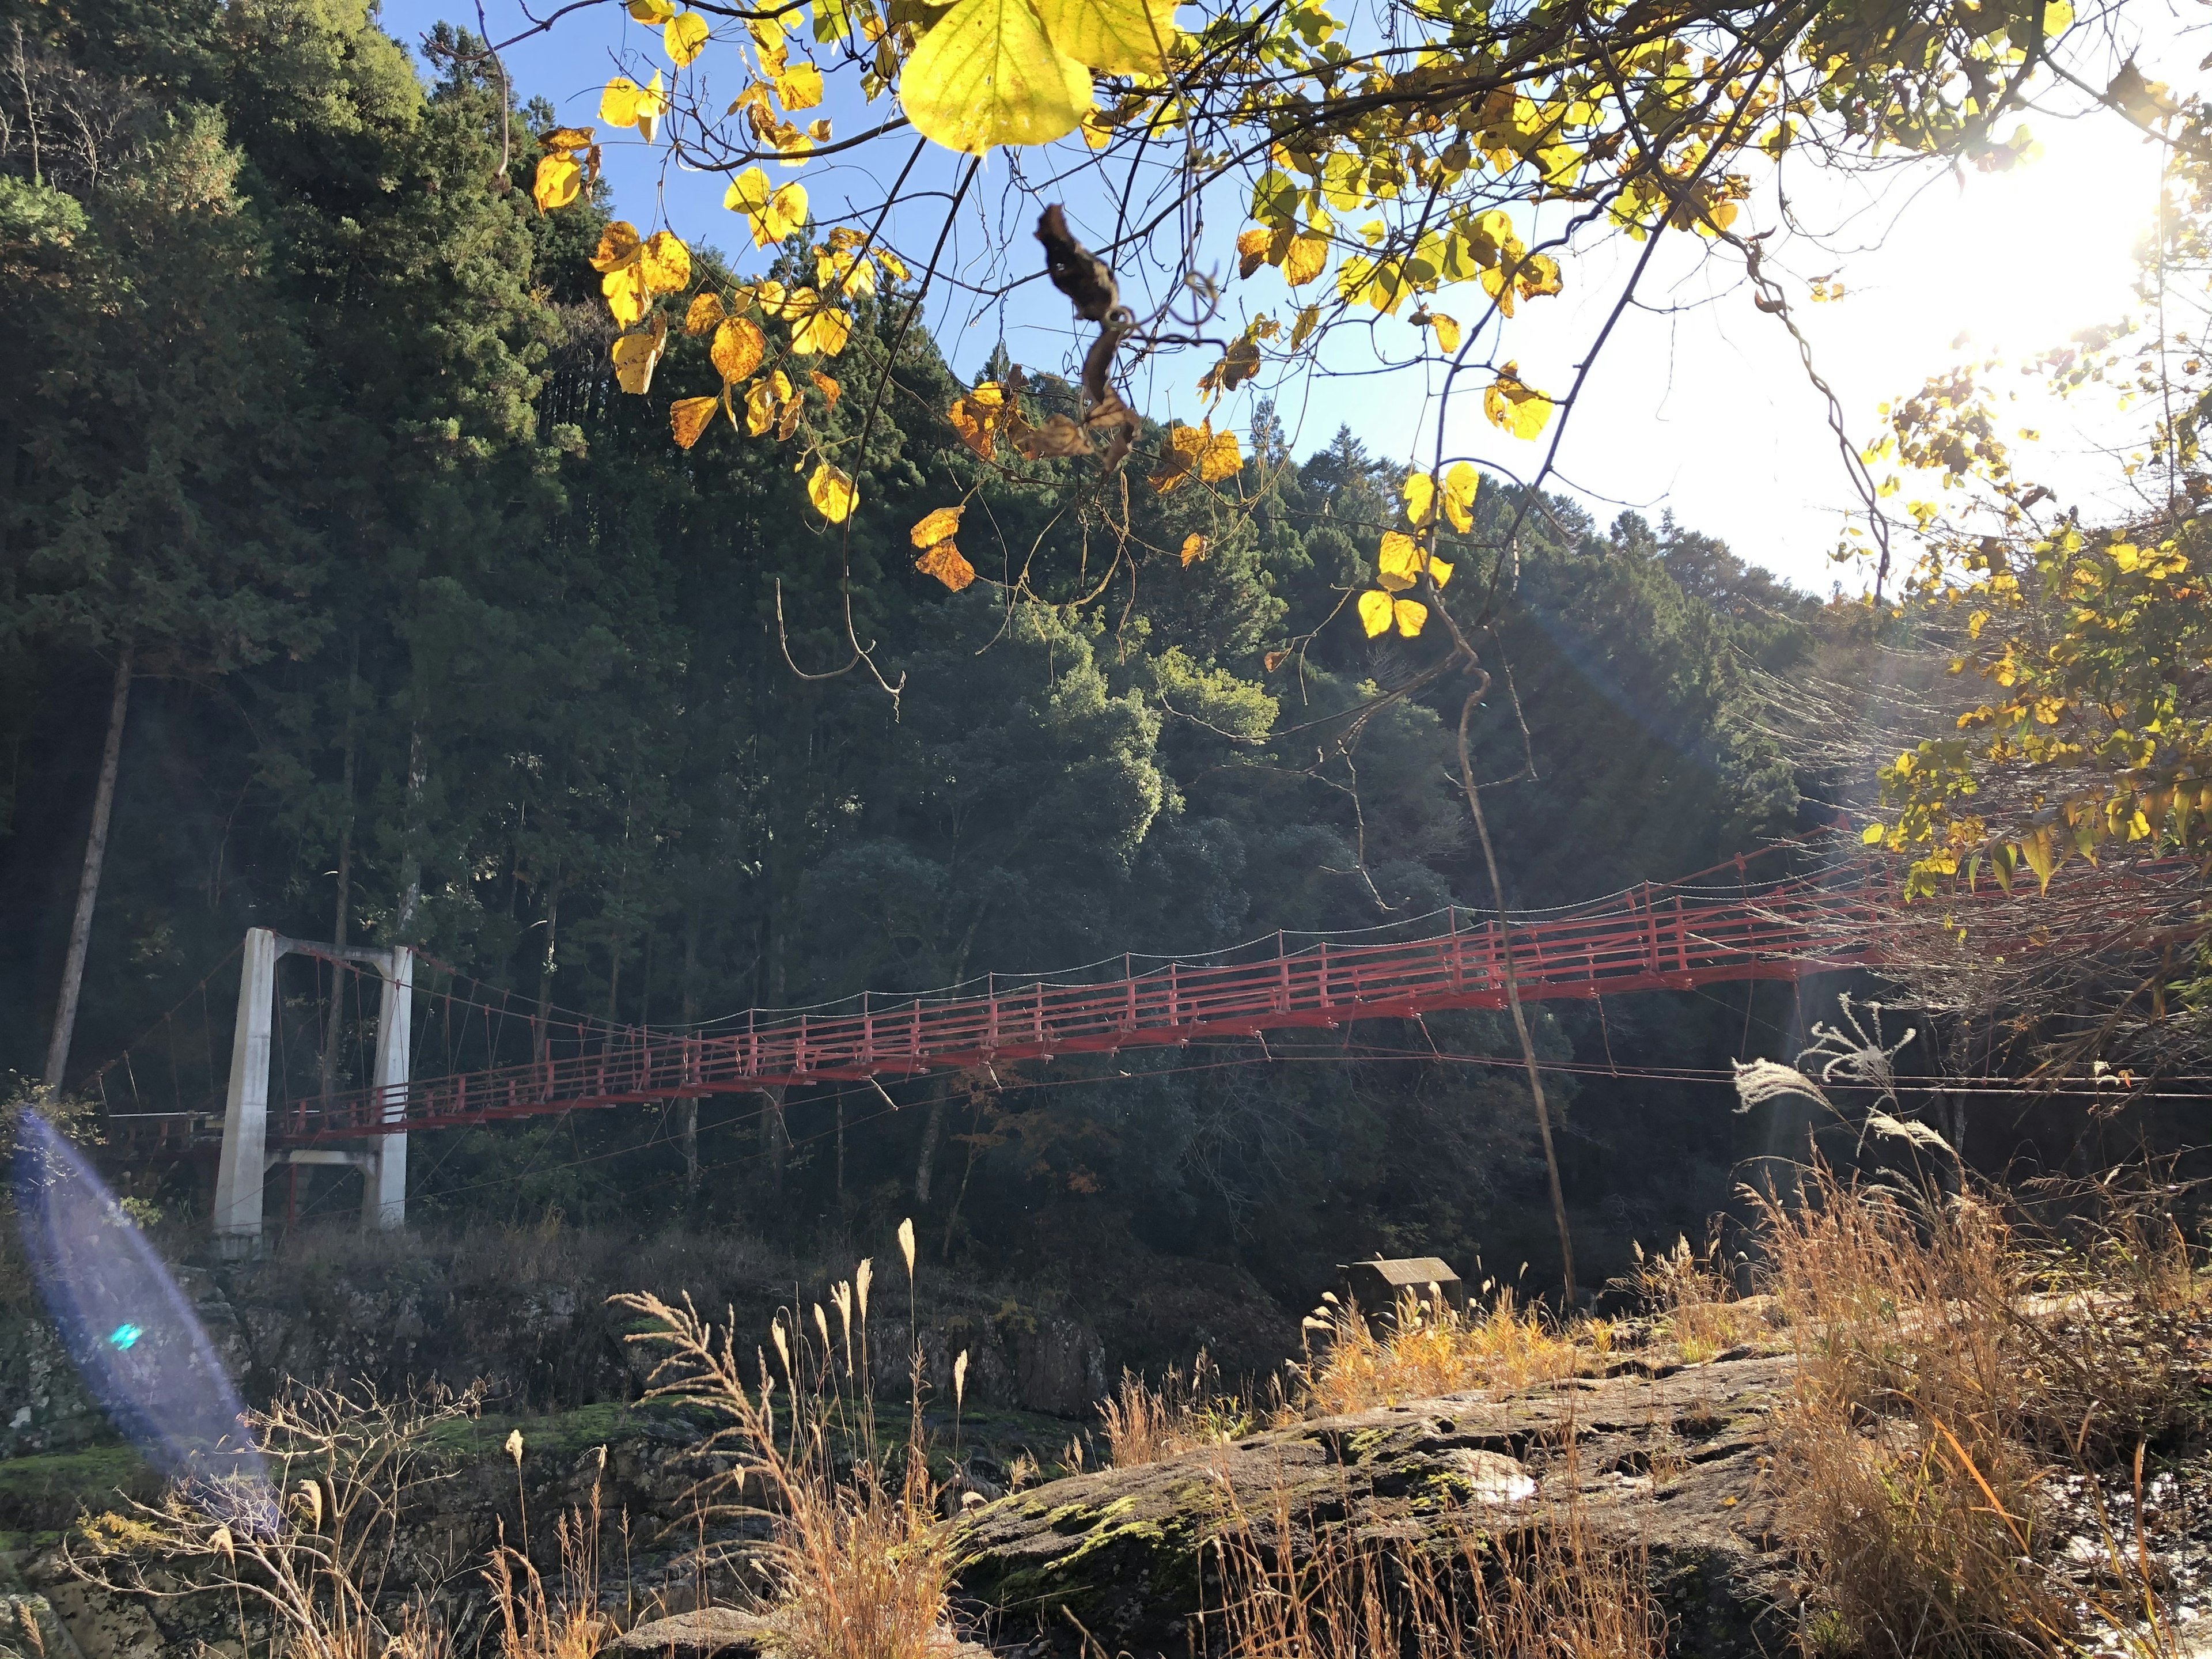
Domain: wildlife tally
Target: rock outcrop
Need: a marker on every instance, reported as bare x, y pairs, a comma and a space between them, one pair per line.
1667, 1466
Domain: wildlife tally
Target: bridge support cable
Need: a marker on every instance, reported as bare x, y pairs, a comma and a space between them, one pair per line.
1650, 937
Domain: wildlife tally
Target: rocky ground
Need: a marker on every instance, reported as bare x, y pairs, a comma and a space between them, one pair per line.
1665, 1463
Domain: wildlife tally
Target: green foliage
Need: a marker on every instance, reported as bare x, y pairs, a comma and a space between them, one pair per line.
463, 652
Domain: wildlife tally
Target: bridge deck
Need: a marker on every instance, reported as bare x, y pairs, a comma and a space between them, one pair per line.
1648, 939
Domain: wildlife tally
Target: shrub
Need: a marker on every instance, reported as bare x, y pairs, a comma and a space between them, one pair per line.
1143, 1424
1425, 1349
1948, 1358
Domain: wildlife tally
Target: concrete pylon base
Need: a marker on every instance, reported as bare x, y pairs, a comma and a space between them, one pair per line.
245, 1160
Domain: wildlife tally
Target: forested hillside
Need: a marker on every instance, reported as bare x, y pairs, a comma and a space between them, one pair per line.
430, 636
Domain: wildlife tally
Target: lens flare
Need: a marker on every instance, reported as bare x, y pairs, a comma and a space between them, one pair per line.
132, 1333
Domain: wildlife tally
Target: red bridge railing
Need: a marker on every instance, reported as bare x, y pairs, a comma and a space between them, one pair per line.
1650, 937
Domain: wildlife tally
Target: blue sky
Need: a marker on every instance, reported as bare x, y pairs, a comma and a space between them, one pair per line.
1699, 404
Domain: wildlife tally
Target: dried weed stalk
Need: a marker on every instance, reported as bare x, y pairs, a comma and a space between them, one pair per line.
1426, 1348
859, 1560
1143, 1424
1295, 1586
1693, 1301
1940, 1386
319, 1550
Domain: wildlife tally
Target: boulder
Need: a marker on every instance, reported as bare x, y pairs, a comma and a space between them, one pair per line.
1667, 1465
728, 1633
700, 1635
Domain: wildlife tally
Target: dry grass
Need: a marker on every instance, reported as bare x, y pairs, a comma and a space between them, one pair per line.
859, 1560
564, 1622
1692, 1300
1143, 1424
317, 1550
1294, 1587
1939, 1386
1425, 1350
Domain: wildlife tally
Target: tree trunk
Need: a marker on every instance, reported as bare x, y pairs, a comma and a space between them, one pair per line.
334, 1025
410, 887
687, 1111
543, 1042
88, 890
960, 1195
773, 1139
930, 1132
1513, 1002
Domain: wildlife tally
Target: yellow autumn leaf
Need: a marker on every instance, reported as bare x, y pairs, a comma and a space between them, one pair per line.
618, 246
987, 74
829, 389
748, 192
940, 525
1872, 835
799, 86
1448, 332
978, 417
894, 267
685, 36
704, 312
840, 271
1186, 445
618, 102
652, 105
1252, 249
832, 493
1111, 36
622, 281
636, 355
688, 418
1537, 274
652, 11
1194, 548
823, 330
767, 33
665, 263
760, 408
560, 180
739, 348
1409, 615
1460, 482
1220, 459
948, 564
772, 214
1398, 562
566, 138
1517, 407
1420, 493
1375, 611
627, 296
1307, 257
1439, 569
623, 103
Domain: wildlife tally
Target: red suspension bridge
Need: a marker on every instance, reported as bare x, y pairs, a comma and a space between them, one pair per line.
1708, 930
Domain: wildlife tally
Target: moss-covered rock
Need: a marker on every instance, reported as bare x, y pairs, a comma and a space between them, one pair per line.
1119, 1559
